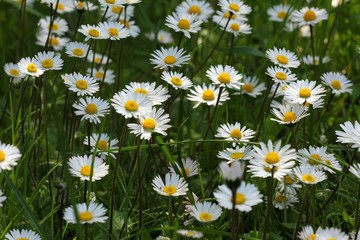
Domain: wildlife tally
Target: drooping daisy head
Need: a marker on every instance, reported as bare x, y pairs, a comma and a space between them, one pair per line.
200, 8
9, 155
236, 7
304, 91
206, 212
309, 16
86, 167
174, 185
29, 66
281, 75
157, 95
190, 167
252, 86
309, 175
168, 58
91, 108
283, 57
176, 79
208, 95
224, 76
25, 234
184, 22
87, 213
289, 113
234, 132
131, 104
102, 144
337, 82
279, 12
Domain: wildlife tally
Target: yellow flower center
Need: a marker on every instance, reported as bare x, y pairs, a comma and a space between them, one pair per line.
248, 87
54, 41
236, 133
80, 4
239, 198
288, 180
190, 233
309, 15
315, 156
183, 24
234, 7
102, 145
31, 67
99, 74
85, 170
237, 155
205, 216
78, 52
281, 76
170, 190
125, 23
97, 60
141, 91
54, 27
61, 6
268, 169
336, 84
328, 162
110, 1
208, 94
281, 14
176, 81
14, 72
116, 9
235, 27
91, 108
272, 157
85, 216
113, 32
22, 238
194, 9
282, 59
289, 117
224, 77
280, 198
94, 32
308, 178
149, 123
187, 171
2, 155
305, 92
81, 84
131, 105
227, 15
47, 63
311, 237
170, 59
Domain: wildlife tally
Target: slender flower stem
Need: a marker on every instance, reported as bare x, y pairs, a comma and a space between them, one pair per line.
234, 217
301, 211
313, 51
357, 219
269, 205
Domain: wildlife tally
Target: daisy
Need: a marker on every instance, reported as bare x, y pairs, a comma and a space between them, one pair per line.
162, 238
289, 113
355, 169
235, 154
2, 198
307, 233
289, 183
156, 95
284, 200
184, 23
17, 234
279, 89
236, 7
93, 32
109, 3
149, 123
331, 233
174, 185
83, 6
91, 108
132, 28
207, 94
98, 58
63, 6
225, 76
81, 85
131, 104
189, 165
59, 26
13, 70
99, 75
81, 166
281, 75
309, 16
77, 49
234, 132
115, 30
252, 87
304, 91
49, 61
309, 175
190, 233
87, 213
177, 80
221, 18
102, 144
330, 163
200, 8
232, 172
162, 37
116, 10
283, 57
313, 156
279, 12
172, 57
57, 43
350, 134
129, 1
337, 82
206, 211
30, 67
310, 60
9, 155
236, 27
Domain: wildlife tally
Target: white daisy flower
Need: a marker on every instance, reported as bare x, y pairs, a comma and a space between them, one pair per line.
289, 183
132, 28
234, 132
103, 144
98, 58
337, 82
131, 104
330, 163
17, 234
247, 195
59, 27
91, 108
49, 61
81, 166
129, 1
284, 200
206, 211
84, 6
149, 123
309, 175
355, 169
9, 155
221, 18
93, 32
207, 94
350, 134
157, 95
115, 30
259, 169
162, 238
57, 43
174, 185
81, 85
225, 76
63, 6
279, 12
233, 171
172, 57
77, 49
184, 23
116, 11
289, 113
307, 233
235, 154
310, 60
281, 75
13, 70
283, 57
2, 198
200, 8
30, 66
109, 3
307, 156
189, 165
162, 36
252, 87
100, 75
304, 91
279, 89
331, 233
309, 16
177, 80
236, 7
190, 233
236, 27
87, 213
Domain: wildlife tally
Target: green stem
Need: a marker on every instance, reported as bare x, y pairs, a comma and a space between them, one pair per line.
269, 206
357, 219
234, 217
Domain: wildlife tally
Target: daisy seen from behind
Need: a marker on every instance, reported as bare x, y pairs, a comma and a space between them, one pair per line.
86, 167
17, 234
208, 95
183, 22
309, 175
234, 132
91, 108
309, 16
304, 91
168, 58
9, 156
337, 82
87, 213
283, 57
173, 186
225, 76
131, 104
205, 211
176, 79
232, 172
102, 144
